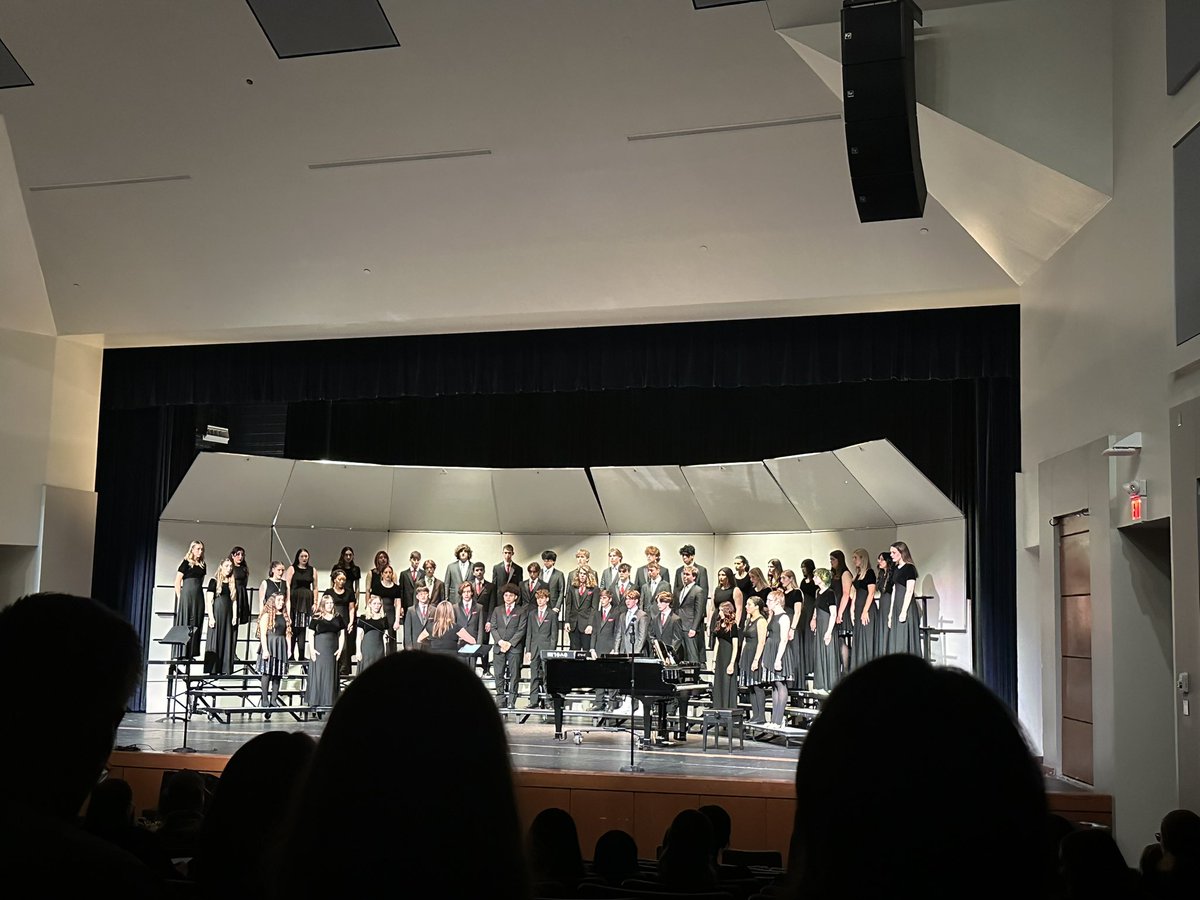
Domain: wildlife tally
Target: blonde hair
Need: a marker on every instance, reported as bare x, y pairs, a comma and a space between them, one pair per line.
584, 577
443, 618
221, 577
190, 558
653, 551
864, 560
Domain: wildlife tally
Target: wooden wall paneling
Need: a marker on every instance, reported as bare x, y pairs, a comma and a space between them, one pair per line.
748, 815
1077, 625
652, 816
1075, 564
1077, 750
1077, 689
596, 812
778, 818
532, 800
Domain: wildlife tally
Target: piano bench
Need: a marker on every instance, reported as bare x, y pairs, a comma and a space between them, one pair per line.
730, 719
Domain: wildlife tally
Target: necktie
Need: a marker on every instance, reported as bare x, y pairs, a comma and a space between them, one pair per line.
507, 611
541, 616
664, 619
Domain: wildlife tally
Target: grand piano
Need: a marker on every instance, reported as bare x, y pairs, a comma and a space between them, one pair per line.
653, 680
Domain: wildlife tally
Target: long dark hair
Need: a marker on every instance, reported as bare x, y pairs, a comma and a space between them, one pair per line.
244, 566
808, 568
296, 558
883, 573
839, 564
728, 573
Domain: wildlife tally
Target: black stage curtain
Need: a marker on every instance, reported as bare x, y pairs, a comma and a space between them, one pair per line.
941, 384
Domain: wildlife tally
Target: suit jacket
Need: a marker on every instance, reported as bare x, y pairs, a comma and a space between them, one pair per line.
650, 594
671, 634
640, 636
408, 589
500, 579
604, 633
509, 628
437, 593
527, 593
691, 608
539, 636
486, 598
454, 578
608, 577
617, 597
701, 579
557, 583
473, 621
414, 625
578, 612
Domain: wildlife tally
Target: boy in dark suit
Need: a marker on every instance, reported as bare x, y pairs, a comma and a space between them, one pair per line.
579, 607
541, 634
508, 631
604, 636
666, 626
418, 615
508, 571
553, 579
530, 585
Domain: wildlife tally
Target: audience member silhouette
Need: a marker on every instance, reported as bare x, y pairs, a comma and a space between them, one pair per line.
1171, 867
722, 826
916, 782
615, 858
110, 817
182, 814
39, 834
553, 845
1092, 866
384, 719
238, 850
1055, 829
686, 863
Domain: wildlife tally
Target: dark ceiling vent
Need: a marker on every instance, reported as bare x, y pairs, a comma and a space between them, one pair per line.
316, 27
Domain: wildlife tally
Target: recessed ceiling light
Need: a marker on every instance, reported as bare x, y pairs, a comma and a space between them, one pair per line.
249, 81
924, 231
367, 271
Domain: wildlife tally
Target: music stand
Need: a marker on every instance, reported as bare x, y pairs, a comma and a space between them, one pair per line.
633, 767
177, 637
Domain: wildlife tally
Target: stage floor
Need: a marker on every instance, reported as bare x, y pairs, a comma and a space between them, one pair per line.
532, 746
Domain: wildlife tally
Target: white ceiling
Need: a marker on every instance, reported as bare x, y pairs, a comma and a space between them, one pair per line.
566, 222
870, 485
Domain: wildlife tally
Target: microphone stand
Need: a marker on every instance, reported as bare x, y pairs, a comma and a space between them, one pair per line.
633, 766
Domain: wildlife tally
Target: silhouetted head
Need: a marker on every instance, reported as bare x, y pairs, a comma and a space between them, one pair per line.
110, 808
1180, 836
906, 722
721, 824
553, 843
184, 793
72, 749
249, 810
616, 857
387, 714
1092, 864
686, 863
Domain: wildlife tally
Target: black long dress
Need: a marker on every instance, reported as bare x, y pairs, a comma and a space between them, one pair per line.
906, 636
883, 591
191, 605
864, 647
827, 662
241, 577
219, 647
775, 637
370, 646
322, 671
748, 675
806, 640
725, 686
392, 597
743, 584
341, 609
302, 605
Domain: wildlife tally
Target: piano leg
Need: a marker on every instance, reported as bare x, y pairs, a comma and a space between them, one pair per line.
683, 716
558, 701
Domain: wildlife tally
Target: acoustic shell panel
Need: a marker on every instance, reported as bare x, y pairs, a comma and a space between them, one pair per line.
223, 487
898, 486
547, 501
742, 497
656, 499
827, 496
337, 495
433, 499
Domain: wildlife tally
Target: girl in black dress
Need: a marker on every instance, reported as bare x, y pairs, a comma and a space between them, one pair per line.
372, 628
302, 589
865, 609
222, 620
883, 590
274, 584
725, 631
241, 579
189, 597
758, 586
751, 672
329, 645
741, 580
440, 635
353, 573
346, 609
793, 605
774, 574
777, 656
842, 582
825, 675
727, 590
906, 632
387, 589
274, 643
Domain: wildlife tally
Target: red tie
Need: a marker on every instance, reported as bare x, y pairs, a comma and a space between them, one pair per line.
507, 611
541, 616
664, 620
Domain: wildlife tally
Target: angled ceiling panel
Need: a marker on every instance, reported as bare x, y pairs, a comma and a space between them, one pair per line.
546, 501
338, 495
742, 497
655, 499
898, 486
826, 494
223, 487
426, 498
